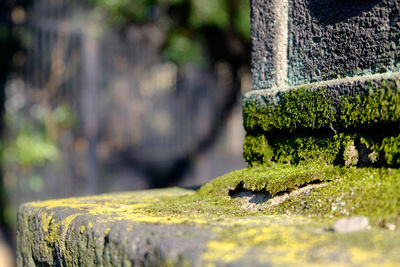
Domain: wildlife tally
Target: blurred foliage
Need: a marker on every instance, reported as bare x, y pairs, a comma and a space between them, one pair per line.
34, 126
209, 12
188, 24
182, 49
9, 46
30, 149
36, 142
32, 142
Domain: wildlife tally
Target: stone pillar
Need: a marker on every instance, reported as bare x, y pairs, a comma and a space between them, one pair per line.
325, 82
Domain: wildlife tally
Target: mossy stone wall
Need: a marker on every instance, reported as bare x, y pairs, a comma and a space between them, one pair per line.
325, 83
350, 122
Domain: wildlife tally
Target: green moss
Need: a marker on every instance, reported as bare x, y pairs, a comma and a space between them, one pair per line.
371, 192
327, 148
273, 179
315, 109
349, 191
300, 108
343, 149
383, 151
98, 229
214, 200
379, 105
257, 150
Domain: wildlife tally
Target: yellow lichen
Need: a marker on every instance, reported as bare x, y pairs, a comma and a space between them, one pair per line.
45, 221
52, 231
107, 231
276, 239
225, 251
290, 245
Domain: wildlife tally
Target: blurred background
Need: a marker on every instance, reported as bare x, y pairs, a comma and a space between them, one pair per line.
109, 95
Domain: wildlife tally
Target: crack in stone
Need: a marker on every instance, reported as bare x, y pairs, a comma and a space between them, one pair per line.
263, 199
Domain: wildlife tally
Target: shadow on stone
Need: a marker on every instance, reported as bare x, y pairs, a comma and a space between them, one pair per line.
262, 199
254, 197
333, 11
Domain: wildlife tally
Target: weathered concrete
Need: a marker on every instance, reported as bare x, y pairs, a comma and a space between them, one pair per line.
120, 230
269, 42
108, 230
297, 42
342, 38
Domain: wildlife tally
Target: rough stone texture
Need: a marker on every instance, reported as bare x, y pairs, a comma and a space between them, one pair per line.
323, 40
108, 230
334, 53
268, 23
342, 38
116, 230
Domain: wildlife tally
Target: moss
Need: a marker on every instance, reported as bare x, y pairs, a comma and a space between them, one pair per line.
273, 179
300, 108
327, 148
99, 229
383, 151
308, 124
343, 149
371, 192
257, 150
314, 109
390, 148
379, 105
349, 191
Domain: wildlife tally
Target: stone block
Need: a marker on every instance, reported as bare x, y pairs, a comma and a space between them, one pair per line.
128, 229
105, 230
296, 42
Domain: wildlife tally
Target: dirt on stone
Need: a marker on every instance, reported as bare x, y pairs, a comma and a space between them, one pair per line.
261, 200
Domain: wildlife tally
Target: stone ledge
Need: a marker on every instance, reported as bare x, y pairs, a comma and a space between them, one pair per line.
118, 230
106, 230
